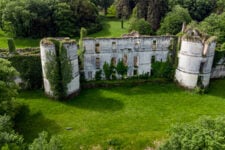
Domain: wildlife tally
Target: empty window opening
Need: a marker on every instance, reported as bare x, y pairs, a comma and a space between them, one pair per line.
89, 75
201, 70
113, 61
97, 48
113, 45
97, 63
125, 60
135, 61
137, 45
153, 59
135, 72
154, 45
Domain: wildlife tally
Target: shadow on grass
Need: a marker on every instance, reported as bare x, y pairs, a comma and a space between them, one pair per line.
98, 103
217, 88
104, 32
30, 125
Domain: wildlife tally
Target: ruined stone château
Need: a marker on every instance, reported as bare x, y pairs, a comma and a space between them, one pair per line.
138, 53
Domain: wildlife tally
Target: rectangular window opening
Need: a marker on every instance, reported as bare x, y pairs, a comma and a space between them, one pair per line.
97, 63
97, 48
154, 45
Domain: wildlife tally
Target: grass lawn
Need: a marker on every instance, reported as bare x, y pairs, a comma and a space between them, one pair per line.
111, 28
130, 117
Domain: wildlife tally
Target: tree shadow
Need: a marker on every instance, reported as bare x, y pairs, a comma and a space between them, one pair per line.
30, 125
148, 88
95, 102
104, 32
216, 88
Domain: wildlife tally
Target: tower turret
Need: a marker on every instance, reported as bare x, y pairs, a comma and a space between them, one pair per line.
60, 67
195, 59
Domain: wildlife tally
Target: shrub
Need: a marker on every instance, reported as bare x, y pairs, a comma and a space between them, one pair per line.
42, 143
30, 70
107, 70
11, 46
207, 133
162, 70
8, 138
98, 75
121, 68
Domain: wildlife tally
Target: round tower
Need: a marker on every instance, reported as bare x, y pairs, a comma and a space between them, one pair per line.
60, 67
195, 60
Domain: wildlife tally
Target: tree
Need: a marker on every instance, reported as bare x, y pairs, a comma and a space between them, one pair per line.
64, 20
220, 6
198, 9
206, 133
140, 25
103, 4
8, 88
214, 25
173, 21
107, 71
124, 8
40, 18
152, 11
156, 11
121, 68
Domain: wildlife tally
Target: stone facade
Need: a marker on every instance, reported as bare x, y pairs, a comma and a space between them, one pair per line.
219, 70
48, 49
136, 52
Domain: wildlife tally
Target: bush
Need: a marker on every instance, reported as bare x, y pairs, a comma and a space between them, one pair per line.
8, 138
98, 75
162, 70
207, 133
11, 46
121, 69
42, 143
140, 25
30, 70
107, 71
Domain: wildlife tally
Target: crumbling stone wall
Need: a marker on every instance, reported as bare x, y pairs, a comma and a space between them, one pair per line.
67, 55
138, 52
195, 61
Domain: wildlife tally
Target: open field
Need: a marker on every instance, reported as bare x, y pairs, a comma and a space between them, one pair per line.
129, 117
111, 28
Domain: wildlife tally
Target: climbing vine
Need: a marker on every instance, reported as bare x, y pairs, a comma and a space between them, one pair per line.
58, 70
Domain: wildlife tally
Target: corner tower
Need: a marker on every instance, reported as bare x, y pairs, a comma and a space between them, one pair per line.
60, 67
195, 59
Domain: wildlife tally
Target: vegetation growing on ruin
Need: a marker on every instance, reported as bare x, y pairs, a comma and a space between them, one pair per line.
58, 70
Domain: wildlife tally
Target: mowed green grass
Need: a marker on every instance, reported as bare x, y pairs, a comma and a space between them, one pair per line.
111, 28
19, 42
130, 117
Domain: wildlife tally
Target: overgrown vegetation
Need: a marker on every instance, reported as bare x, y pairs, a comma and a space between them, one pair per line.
58, 70
39, 18
11, 46
207, 133
29, 67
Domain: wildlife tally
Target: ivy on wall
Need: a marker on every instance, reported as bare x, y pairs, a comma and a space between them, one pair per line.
30, 70
58, 70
